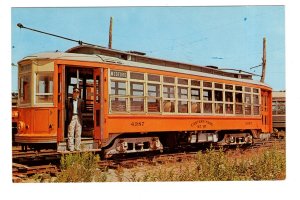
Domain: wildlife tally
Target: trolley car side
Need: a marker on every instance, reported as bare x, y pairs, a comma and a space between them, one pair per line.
136, 106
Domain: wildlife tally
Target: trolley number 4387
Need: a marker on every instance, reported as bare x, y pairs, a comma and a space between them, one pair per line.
137, 123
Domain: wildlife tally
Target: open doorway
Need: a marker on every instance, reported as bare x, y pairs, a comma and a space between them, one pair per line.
83, 78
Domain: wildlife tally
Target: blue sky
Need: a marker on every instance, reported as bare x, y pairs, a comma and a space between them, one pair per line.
227, 36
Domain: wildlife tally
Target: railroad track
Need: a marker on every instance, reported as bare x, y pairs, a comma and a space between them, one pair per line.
267, 143
154, 159
22, 170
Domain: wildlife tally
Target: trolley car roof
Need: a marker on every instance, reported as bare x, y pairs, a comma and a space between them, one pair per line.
114, 60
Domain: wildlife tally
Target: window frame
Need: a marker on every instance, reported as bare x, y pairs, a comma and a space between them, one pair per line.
176, 98
215, 89
159, 98
208, 102
36, 75
169, 99
21, 75
242, 103
126, 96
196, 101
131, 96
187, 99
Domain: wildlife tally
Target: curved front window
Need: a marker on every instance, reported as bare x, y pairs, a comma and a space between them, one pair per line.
24, 88
44, 87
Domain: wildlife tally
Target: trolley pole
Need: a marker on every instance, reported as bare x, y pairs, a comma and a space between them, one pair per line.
110, 33
264, 62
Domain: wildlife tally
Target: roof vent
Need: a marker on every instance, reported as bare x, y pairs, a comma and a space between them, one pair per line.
126, 56
137, 53
211, 66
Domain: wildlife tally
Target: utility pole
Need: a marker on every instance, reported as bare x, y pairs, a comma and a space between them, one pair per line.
110, 33
264, 61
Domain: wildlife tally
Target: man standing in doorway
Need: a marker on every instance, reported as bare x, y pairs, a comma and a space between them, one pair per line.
74, 110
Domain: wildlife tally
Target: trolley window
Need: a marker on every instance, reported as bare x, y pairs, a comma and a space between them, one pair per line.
25, 91
248, 104
238, 88
229, 102
182, 100
118, 99
153, 90
169, 98
44, 87
195, 83
182, 93
136, 89
118, 87
195, 100
278, 107
247, 89
256, 99
137, 97
239, 103
218, 95
118, 104
229, 87
169, 79
218, 101
169, 91
155, 78
207, 84
195, 94
207, 97
153, 97
137, 76
182, 81
219, 85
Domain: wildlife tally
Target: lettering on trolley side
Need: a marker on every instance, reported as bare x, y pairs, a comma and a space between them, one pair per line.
118, 74
248, 123
201, 124
138, 123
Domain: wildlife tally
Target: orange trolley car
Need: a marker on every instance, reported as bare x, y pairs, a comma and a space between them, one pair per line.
134, 103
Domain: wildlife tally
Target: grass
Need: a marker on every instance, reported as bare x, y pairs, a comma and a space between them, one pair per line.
216, 165
80, 167
213, 165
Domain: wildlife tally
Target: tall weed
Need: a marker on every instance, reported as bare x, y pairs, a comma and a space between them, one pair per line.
215, 165
80, 167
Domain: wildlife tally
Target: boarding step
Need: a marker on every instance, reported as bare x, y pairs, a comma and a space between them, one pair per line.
86, 144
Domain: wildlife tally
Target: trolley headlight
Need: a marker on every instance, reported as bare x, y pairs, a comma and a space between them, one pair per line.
15, 114
21, 126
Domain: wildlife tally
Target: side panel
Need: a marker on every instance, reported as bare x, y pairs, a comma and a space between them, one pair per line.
266, 111
270, 124
60, 102
38, 125
41, 120
139, 123
97, 104
105, 104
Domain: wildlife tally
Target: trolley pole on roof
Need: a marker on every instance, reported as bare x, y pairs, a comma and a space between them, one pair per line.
264, 62
110, 33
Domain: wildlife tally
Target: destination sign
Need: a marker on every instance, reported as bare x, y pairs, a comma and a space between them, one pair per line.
25, 68
119, 74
